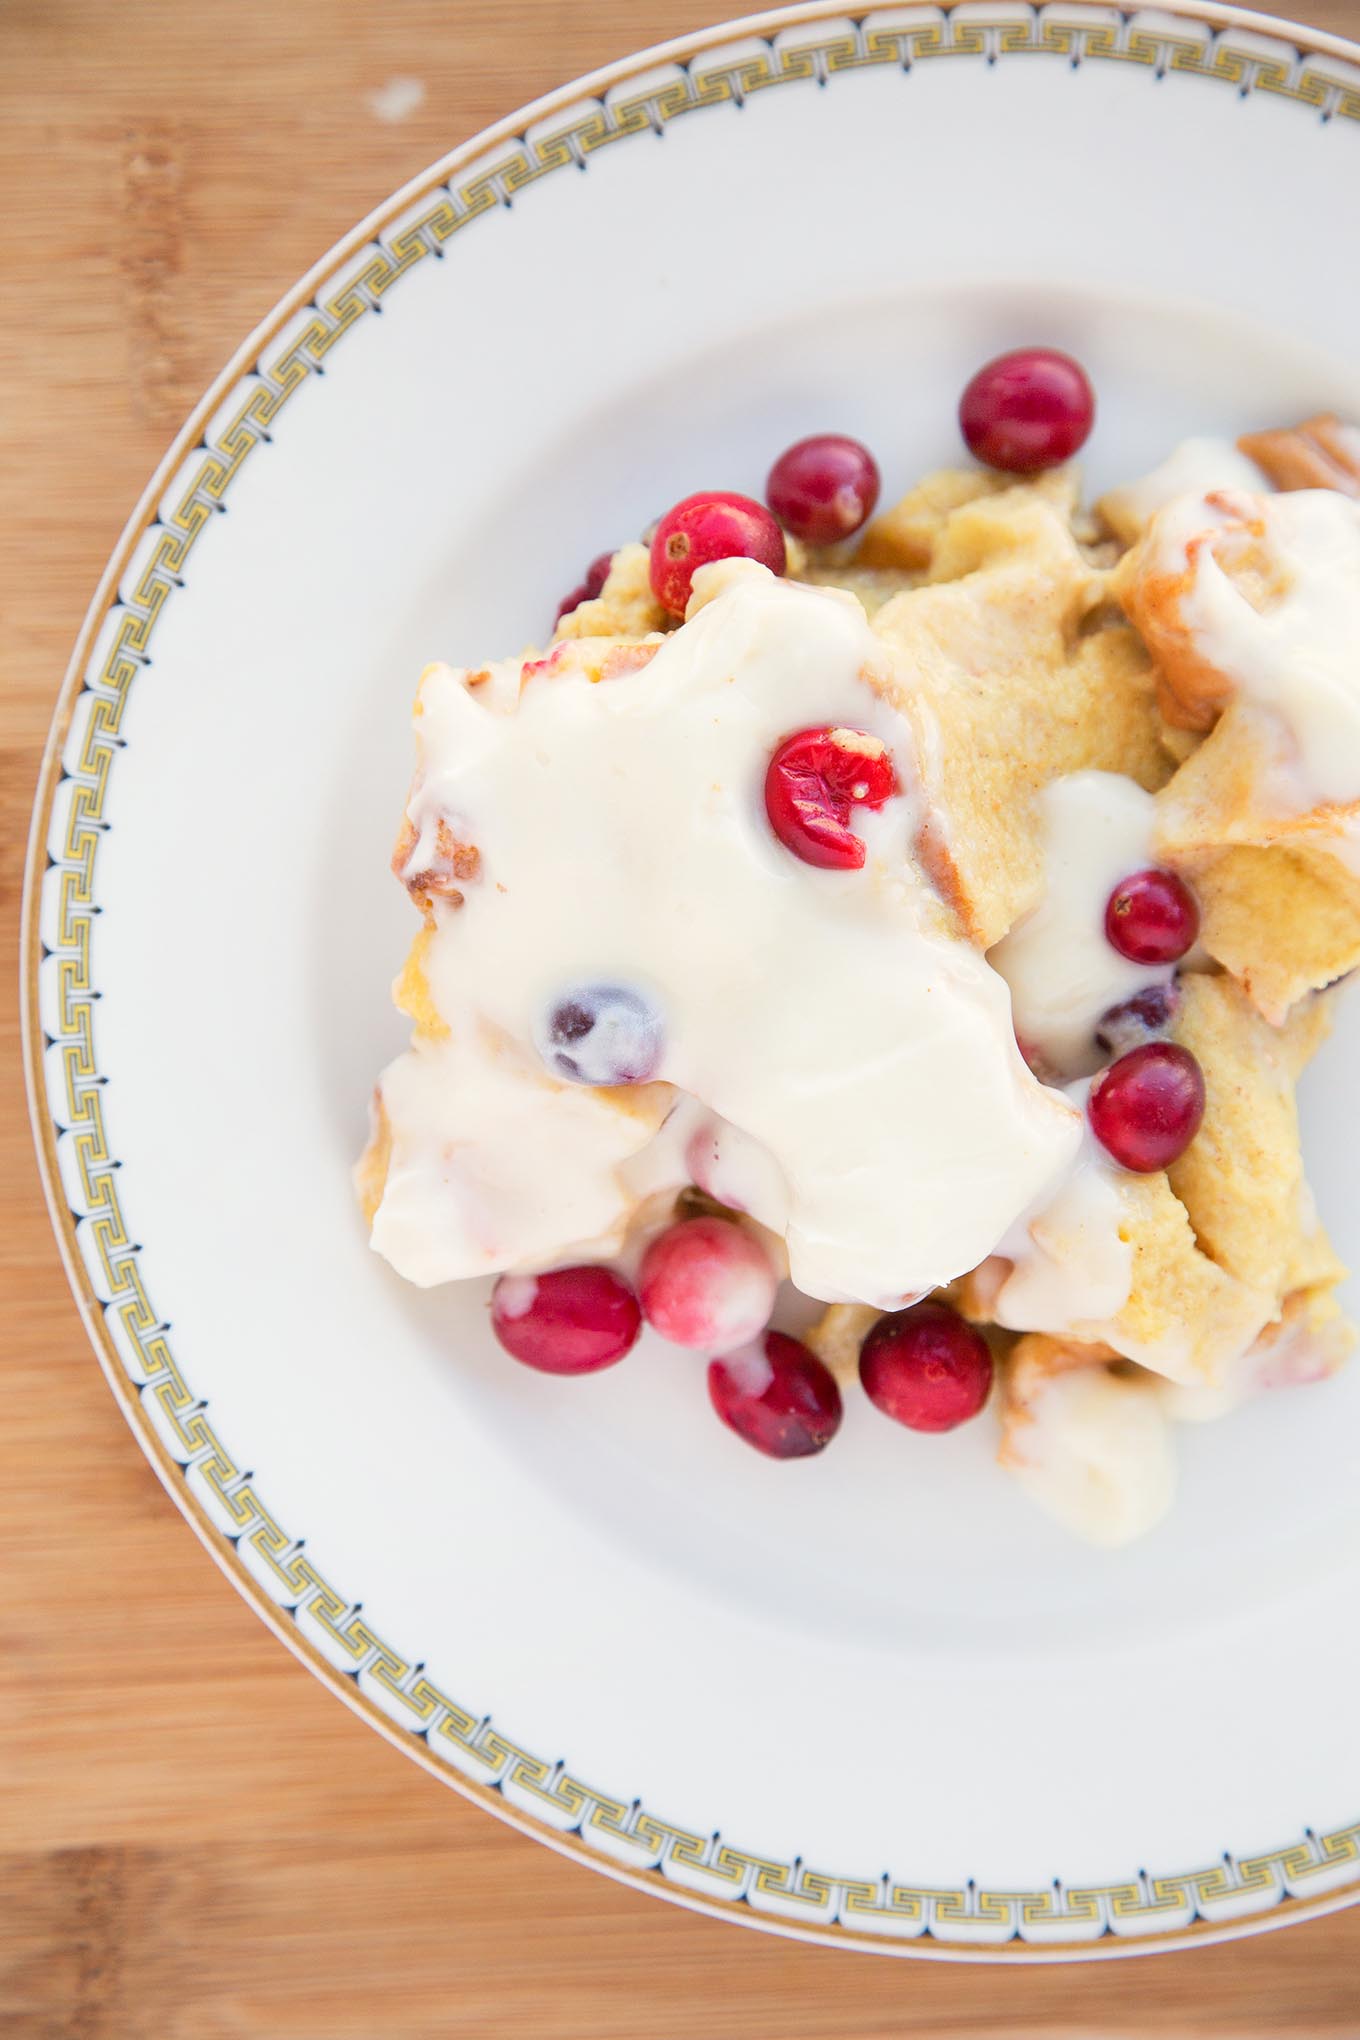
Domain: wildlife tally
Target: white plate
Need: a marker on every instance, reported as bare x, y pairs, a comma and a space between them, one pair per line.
874, 1697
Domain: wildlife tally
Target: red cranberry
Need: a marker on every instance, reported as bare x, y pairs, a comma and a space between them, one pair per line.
1146, 1108
707, 1282
926, 1367
1129, 1024
1028, 410
571, 1321
711, 526
1152, 917
597, 573
824, 488
777, 1396
814, 779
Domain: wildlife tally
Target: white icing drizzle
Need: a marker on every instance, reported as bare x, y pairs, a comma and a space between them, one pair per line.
862, 1050
1093, 1449
1297, 655
1070, 1262
1194, 468
1062, 972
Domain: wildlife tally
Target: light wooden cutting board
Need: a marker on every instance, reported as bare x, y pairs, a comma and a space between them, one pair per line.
195, 1839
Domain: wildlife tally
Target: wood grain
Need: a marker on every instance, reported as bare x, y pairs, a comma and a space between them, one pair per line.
194, 1837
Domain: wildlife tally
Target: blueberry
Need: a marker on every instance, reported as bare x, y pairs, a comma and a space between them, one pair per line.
602, 1034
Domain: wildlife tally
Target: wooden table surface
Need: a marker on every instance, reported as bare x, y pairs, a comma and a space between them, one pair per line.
194, 1837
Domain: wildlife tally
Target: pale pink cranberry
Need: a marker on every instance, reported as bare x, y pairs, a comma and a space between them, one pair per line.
707, 527
1028, 410
706, 1282
814, 780
1151, 917
1131, 1023
926, 1367
1146, 1108
571, 1321
823, 488
777, 1396
597, 573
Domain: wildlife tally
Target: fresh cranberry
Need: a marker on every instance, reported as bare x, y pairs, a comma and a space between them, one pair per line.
1151, 917
814, 779
706, 1282
824, 488
1028, 410
1129, 1024
700, 529
926, 1367
597, 573
1146, 1108
777, 1396
572, 1321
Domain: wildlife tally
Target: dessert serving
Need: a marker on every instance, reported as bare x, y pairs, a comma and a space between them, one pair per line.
878, 951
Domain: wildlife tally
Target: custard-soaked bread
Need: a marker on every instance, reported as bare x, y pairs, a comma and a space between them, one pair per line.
1223, 534
1216, 1246
1226, 792
625, 606
1321, 453
838, 1334
411, 992
872, 586
1182, 1316
1241, 1178
1009, 689
1284, 922
1185, 1317
1279, 909
907, 536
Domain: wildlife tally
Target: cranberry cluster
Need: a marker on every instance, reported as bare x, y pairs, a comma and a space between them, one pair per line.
706, 1282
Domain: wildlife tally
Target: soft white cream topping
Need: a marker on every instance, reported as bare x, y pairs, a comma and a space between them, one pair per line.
1093, 1448
1195, 467
827, 1016
1298, 654
493, 1165
1071, 1262
1062, 971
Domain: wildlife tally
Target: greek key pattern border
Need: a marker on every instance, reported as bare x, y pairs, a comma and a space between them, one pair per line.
332, 1626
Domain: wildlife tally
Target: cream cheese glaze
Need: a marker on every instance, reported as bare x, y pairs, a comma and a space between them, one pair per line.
863, 1053
1093, 1449
1062, 972
1071, 1262
1193, 468
489, 1154
1295, 655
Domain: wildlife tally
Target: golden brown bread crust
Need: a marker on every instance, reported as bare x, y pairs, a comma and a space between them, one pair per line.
1153, 584
1321, 453
449, 865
